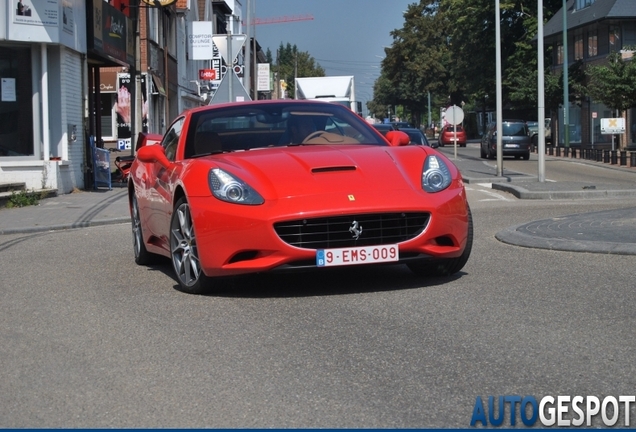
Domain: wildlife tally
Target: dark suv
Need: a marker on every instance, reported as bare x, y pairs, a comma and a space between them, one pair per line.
514, 140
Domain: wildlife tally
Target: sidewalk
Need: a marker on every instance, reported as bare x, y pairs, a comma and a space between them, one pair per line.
75, 210
524, 186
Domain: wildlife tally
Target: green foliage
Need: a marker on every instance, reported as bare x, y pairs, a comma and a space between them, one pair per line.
292, 63
23, 199
613, 84
447, 47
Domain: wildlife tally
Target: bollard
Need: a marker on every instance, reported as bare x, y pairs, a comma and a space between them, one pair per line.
614, 157
573, 153
623, 158
558, 151
606, 156
566, 152
599, 155
632, 159
551, 151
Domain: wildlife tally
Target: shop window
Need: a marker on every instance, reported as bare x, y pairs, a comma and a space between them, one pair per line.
578, 47
592, 44
614, 39
16, 108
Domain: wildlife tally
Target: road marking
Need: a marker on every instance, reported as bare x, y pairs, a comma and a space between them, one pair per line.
495, 195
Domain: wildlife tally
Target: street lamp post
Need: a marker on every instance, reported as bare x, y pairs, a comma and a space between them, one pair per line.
566, 82
499, 91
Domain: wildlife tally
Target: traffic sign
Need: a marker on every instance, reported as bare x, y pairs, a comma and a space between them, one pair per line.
612, 125
454, 115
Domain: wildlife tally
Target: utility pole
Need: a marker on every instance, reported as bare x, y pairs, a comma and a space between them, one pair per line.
247, 61
499, 95
540, 95
566, 81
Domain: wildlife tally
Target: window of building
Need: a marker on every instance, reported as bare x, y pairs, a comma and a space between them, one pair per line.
592, 44
578, 47
16, 107
559, 54
614, 39
581, 4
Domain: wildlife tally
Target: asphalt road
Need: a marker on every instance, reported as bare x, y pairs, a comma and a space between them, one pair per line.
89, 339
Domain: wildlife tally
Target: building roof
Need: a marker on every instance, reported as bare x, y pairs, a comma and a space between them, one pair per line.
599, 10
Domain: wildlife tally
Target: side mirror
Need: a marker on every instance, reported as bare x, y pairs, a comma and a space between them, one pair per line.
397, 138
147, 139
152, 154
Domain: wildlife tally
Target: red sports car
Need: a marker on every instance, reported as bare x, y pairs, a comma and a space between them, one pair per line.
451, 135
259, 186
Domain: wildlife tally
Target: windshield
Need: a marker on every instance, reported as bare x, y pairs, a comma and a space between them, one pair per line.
514, 129
256, 125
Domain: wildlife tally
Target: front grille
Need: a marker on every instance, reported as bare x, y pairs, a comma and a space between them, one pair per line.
334, 232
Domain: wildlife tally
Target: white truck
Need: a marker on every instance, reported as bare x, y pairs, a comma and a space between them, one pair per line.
334, 89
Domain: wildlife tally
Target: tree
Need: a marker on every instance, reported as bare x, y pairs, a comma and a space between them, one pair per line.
292, 64
414, 65
614, 83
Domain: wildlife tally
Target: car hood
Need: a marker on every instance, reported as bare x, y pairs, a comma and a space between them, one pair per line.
306, 170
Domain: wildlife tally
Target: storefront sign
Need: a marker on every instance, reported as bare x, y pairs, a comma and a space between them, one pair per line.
207, 74
159, 3
200, 40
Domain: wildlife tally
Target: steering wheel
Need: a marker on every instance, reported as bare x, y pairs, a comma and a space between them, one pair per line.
313, 135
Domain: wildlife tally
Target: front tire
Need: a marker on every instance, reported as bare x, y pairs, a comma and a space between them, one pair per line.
448, 266
184, 253
142, 256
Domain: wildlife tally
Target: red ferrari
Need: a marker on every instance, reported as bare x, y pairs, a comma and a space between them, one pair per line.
275, 185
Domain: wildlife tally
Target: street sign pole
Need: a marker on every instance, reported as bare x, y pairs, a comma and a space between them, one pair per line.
454, 116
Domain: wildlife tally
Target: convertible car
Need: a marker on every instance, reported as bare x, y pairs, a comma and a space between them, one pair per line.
251, 187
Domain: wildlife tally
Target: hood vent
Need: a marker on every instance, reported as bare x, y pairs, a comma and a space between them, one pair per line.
333, 168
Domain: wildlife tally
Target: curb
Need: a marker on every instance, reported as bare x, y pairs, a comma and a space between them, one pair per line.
62, 227
513, 237
523, 193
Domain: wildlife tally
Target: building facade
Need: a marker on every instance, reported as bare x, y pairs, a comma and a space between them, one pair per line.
81, 73
595, 28
43, 81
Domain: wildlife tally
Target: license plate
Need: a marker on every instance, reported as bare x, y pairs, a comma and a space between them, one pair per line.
454, 139
357, 255
512, 145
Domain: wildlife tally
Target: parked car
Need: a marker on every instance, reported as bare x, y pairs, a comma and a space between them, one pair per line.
533, 131
452, 134
417, 137
402, 124
234, 189
533, 128
515, 140
383, 128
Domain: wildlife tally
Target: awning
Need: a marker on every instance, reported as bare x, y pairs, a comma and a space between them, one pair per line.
157, 85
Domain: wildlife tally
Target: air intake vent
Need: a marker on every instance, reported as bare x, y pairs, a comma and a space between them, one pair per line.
333, 168
340, 231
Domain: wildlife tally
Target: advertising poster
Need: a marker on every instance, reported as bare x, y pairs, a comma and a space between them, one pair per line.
36, 12
144, 102
123, 105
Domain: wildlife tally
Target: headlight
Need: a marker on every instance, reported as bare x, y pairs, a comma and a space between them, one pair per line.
436, 175
228, 188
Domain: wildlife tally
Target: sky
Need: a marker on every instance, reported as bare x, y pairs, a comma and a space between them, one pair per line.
346, 37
